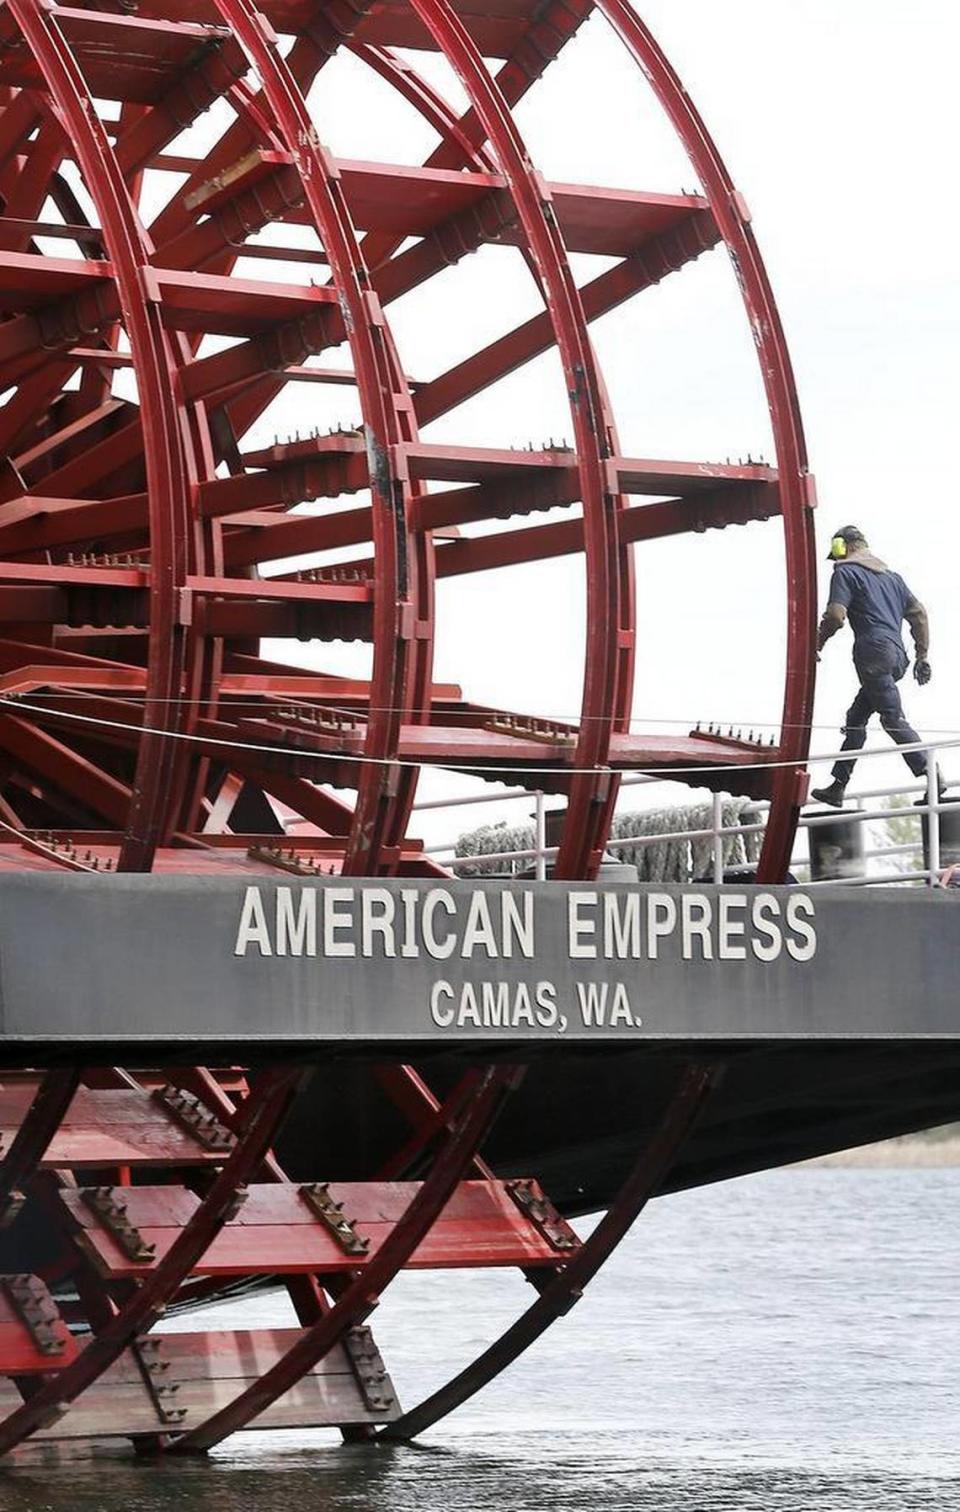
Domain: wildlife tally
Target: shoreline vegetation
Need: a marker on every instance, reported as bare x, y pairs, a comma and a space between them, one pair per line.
929, 1150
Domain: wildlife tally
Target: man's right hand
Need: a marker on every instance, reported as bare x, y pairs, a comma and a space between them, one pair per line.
922, 672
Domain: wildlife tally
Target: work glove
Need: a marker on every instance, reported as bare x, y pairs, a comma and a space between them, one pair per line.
922, 672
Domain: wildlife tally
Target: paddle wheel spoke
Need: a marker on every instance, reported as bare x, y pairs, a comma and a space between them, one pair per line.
44, 1116
559, 1292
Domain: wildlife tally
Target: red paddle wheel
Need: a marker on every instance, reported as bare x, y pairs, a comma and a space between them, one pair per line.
162, 303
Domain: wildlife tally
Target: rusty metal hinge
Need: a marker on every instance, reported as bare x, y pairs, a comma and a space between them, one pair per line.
543, 1215
112, 1212
376, 1387
37, 1311
186, 1109
316, 1194
153, 1369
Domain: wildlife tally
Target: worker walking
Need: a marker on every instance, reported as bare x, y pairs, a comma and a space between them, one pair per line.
876, 601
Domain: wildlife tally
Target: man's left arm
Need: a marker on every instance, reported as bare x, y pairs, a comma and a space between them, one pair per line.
916, 617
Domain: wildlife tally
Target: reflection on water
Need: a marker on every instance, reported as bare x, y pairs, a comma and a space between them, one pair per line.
781, 1343
529, 1476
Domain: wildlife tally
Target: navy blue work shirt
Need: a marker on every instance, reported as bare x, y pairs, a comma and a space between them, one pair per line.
876, 602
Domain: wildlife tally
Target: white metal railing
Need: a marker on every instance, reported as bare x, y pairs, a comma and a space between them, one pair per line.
926, 810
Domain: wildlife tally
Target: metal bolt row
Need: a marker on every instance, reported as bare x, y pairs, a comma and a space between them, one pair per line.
292, 861
753, 738
38, 1311
69, 852
105, 559
316, 1194
197, 1120
319, 719
543, 1215
333, 574
112, 1212
315, 434
532, 729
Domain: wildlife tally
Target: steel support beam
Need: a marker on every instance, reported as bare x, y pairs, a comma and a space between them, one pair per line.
361, 1296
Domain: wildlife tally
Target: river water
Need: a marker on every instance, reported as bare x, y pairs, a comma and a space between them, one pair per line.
786, 1342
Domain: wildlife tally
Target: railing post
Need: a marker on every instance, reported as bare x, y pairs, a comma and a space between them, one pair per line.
933, 818
718, 838
541, 839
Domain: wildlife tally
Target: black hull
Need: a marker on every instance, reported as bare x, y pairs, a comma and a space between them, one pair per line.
579, 1118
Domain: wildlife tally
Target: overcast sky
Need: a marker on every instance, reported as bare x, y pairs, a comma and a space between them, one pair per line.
837, 120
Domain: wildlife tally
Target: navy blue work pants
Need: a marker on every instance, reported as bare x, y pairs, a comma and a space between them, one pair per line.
880, 666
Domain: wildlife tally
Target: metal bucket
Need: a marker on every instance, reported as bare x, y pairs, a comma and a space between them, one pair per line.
949, 835
836, 850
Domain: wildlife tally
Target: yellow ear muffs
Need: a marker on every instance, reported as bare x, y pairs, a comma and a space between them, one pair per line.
838, 548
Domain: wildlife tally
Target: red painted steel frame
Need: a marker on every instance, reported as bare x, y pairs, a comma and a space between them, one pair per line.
384, 796
200, 517
170, 470
609, 611
142, 724
361, 1296
269, 1105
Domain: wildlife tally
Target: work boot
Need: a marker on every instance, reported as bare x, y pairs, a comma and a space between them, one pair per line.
832, 795
941, 793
